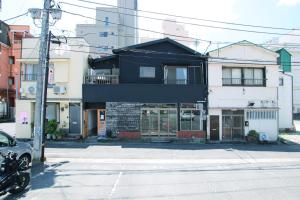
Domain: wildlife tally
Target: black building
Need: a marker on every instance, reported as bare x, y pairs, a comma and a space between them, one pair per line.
153, 89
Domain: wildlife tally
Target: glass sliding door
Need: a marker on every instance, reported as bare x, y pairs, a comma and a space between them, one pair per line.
159, 121
176, 75
232, 125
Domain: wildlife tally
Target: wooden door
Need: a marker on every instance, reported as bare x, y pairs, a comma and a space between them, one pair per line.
214, 127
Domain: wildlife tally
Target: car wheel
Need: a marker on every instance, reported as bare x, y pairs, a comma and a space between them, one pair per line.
24, 162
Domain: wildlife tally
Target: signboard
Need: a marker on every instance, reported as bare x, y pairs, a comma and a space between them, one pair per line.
51, 76
23, 117
101, 122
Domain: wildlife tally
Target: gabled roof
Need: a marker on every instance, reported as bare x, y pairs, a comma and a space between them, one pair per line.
145, 44
283, 49
241, 42
102, 59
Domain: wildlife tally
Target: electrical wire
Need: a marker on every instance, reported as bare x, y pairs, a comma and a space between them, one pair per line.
190, 18
201, 25
15, 17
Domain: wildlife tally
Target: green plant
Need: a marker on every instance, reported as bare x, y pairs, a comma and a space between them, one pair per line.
60, 133
252, 133
252, 136
51, 127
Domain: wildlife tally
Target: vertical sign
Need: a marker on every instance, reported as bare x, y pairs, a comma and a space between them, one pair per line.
101, 122
51, 76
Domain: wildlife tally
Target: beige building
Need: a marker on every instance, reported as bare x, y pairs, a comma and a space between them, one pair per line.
68, 64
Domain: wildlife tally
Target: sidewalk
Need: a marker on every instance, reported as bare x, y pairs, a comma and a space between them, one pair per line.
290, 138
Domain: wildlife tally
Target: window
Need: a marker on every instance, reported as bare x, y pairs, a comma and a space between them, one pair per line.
243, 76
11, 80
29, 72
261, 114
147, 72
11, 60
52, 111
103, 34
106, 21
176, 75
281, 82
4, 141
191, 117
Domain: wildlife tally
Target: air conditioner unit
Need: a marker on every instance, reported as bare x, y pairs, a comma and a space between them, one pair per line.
59, 90
31, 89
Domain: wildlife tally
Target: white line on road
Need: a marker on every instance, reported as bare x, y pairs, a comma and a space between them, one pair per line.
172, 161
116, 184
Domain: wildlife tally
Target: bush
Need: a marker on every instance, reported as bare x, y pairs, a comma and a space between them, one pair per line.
51, 127
252, 136
252, 133
110, 133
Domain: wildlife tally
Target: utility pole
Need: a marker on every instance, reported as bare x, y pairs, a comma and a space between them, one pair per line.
38, 116
42, 74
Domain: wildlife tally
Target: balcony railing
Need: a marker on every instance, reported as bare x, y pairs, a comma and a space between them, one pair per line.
176, 81
244, 82
28, 77
101, 79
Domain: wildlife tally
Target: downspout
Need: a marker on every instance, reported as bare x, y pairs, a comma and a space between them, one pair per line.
206, 93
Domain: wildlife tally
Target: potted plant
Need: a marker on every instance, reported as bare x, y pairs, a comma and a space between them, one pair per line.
51, 128
252, 136
59, 134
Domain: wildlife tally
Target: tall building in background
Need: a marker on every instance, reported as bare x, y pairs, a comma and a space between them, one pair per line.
172, 29
115, 27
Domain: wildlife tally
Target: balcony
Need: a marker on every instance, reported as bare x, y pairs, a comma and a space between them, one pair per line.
243, 82
28, 77
176, 81
101, 79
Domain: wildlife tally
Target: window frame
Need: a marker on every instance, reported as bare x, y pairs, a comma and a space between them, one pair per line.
147, 67
242, 79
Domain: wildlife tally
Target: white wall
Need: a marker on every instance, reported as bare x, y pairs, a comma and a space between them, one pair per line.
285, 102
296, 74
220, 97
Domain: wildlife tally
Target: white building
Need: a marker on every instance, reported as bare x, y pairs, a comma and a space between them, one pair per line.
285, 100
115, 27
291, 43
67, 67
243, 92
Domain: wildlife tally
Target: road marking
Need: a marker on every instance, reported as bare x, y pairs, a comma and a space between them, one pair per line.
172, 161
116, 184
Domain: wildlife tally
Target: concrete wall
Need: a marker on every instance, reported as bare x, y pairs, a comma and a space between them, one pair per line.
285, 95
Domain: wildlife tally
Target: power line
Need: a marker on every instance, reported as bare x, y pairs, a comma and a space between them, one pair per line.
201, 25
278, 45
192, 18
234, 60
15, 17
148, 30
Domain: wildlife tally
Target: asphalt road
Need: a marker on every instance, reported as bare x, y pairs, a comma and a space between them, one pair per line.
167, 171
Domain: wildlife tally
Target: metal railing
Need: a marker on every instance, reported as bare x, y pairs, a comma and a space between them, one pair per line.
101, 79
240, 81
28, 77
176, 81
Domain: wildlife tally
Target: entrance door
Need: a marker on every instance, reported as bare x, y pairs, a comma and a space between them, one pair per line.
74, 115
233, 125
214, 127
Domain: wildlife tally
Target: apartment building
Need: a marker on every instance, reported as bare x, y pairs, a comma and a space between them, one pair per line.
68, 65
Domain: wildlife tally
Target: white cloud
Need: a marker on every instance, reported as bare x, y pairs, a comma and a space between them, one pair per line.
288, 2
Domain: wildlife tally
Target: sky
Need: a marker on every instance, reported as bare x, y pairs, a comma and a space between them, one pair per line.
275, 13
